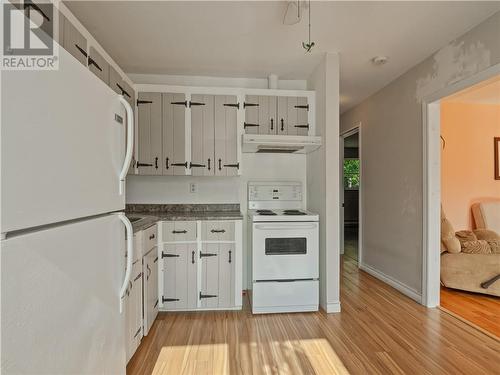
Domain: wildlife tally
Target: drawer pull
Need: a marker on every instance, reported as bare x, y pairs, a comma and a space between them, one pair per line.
230, 252
218, 231
192, 257
204, 255
152, 236
156, 260
163, 299
179, 231
138, 277
149, 271
156, 304
202, 296
138, 331
165, 255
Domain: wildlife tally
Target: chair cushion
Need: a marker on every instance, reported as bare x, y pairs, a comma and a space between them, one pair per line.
448, 238
492, 237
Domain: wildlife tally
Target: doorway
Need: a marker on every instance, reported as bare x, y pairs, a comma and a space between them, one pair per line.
350, 170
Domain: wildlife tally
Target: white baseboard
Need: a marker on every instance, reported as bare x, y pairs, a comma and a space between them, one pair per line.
330, 308
406, 290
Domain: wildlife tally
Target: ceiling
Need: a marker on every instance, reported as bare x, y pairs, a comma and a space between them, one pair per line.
487, 92
249, 39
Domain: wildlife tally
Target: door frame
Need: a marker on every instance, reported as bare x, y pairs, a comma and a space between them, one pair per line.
356, 128
431, 214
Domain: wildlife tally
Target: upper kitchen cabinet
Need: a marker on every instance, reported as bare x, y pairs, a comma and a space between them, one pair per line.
226, 134
260, 114
292, 116
98, 65
74, 42
202, 135
115, 80
150, 134
174, 134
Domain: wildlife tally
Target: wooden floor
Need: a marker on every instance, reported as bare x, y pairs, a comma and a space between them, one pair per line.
379, 331
479, 309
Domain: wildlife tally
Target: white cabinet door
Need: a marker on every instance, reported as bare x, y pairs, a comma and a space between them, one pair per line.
174, 138
226, 131
150, 133
297, 116
226, 275
179, 276
267, 114
282, 113
133, 311
98, 65
74, 42
202, 135
209, 293
150, 289
252, 124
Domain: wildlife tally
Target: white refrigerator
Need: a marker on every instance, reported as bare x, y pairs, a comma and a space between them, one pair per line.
66, 143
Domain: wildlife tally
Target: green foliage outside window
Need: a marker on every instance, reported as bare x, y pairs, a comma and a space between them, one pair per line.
351, 173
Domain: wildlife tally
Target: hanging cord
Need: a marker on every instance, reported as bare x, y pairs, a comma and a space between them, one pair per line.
310, 45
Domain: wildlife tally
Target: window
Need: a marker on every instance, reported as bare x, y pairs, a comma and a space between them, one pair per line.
351, 174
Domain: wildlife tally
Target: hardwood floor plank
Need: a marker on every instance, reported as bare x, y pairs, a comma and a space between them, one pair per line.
379, 331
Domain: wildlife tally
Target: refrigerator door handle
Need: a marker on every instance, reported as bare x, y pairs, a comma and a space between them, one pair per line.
130, 142
130, 254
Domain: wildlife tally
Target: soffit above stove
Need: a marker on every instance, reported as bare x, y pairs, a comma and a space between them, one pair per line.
284, 144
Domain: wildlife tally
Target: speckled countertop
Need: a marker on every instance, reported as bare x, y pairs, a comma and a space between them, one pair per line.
151, 213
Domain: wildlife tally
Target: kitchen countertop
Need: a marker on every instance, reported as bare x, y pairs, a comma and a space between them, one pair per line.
151, 213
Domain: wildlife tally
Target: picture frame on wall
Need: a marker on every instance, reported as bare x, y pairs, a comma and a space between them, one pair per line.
497, 157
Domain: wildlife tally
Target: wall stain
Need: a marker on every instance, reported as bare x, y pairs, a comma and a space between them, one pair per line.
453, 63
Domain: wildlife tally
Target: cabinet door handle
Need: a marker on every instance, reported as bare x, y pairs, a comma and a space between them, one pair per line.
185, 165
250, 105
138, 331
192, 257
237, 165
156, 260
82, 51
163, 299
185, 103
220, 164
204, 255
230, 252
179, 231
207, 295
208, 163
156, 163
91, 61
167, 160
218, 231
302, 126
282, 125
138, 277
302, 106
246, 125
152, 236
272, 124
195, 104
143, 165
166, 255
194, 165
149, 271
156, 304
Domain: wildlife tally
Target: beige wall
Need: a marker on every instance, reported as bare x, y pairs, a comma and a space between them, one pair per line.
392, 144
467, 159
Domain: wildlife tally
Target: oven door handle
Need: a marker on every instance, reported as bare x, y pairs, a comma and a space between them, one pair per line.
287, 226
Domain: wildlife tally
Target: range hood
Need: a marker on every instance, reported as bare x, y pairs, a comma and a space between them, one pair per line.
284, 144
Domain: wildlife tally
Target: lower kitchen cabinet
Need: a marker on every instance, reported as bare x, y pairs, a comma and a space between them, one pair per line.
133, 311
202, 271
150, 289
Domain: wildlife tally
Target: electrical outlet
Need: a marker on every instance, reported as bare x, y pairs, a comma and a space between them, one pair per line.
193, 188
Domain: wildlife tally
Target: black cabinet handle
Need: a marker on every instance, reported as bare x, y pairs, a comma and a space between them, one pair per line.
163, 299
179, 231
156, 304
237, 165
91, 61
302, 106
302, 126
37, 8
152, 236
205, 255
156, 260
143, 165
282, 125
185, 165
272, 124
207, 296
195, 103
250, 105
185, 103
220, 164
138, 331
230, 252
156, 162
164, 255
166, 163
192, 257
82, 51
246, 125
124, 92
149, 271
235, 105
194, 165
218, 231
208, 163
138, 277
144, 101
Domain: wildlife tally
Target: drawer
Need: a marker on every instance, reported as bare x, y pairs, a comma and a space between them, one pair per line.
178, 231
217, 231
150, 238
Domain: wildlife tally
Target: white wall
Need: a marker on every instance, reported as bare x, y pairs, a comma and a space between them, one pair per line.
323, 178
392, 148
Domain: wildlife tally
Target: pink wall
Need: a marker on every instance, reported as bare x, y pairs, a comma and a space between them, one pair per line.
467, 172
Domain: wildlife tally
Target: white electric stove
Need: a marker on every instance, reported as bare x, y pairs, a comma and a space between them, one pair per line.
285, 249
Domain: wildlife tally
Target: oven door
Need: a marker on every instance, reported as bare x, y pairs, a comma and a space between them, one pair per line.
285, 251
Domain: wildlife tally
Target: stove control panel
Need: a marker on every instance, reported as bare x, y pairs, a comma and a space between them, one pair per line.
285, 191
